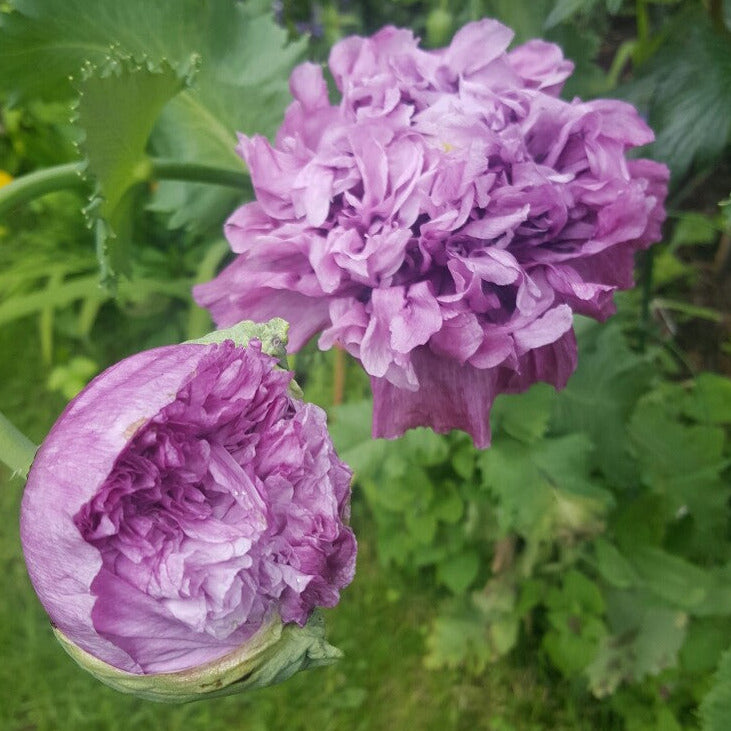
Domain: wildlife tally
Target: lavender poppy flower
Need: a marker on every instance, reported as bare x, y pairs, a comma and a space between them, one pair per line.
184, 509
443, 222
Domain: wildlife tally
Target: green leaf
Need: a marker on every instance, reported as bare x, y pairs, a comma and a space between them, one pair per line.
578, 594
523, 497
686, 89
687, 310
564, 9
681, 583
640, 521
706, 640
118, 105
693, 229
544, 488
242, 87
715, 710
525, 17
473, 633
59, 36
350, 425
72, 377
424, 446
572, 640
600, 396
421, 525
448, 506
16, 450
458, 572
242, 84
684, 464
612, 566
457, 640
581, 47
524, 416
645, 640
463, 458
710, 400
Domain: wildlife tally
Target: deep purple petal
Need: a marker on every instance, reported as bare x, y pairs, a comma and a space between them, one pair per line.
459, 397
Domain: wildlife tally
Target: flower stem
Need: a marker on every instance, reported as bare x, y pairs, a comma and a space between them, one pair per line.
191, 172
647, 267
16, 450
339, 377
70, 176
40, 182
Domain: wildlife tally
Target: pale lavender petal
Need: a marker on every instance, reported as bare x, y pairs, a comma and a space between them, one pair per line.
541, 65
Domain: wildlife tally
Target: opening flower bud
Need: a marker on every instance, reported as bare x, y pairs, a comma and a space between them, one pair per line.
185, 516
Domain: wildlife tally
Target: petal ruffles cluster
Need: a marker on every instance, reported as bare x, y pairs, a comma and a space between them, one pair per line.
182, 500
443, 222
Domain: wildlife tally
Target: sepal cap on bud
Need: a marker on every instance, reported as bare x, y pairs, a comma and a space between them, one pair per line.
276, 652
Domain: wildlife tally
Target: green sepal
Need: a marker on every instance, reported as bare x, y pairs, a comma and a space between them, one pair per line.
272, 334
273, 337
276, 652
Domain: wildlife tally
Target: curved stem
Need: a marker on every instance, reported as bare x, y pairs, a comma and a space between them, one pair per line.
192, 172
38, 183
70, 175
16, 450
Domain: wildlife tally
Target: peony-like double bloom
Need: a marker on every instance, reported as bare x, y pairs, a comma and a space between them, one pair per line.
185, 503
443, 222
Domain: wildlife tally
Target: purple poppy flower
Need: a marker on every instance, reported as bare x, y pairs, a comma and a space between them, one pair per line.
443, 222
186, 503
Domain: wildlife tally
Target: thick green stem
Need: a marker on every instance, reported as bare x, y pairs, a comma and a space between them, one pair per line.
647, 267
16, 450
70, 175
191, 172
40, 182
643, 22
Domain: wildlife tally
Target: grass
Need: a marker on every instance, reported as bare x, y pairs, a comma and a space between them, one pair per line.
381, 683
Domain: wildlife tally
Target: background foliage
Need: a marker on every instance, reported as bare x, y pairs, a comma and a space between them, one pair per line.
578, 573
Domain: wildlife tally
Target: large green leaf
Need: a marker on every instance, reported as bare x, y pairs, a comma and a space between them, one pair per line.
685, 464
682, 584
545, 487
686, 91
44, 43
117, 108
600, 396
241, 86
